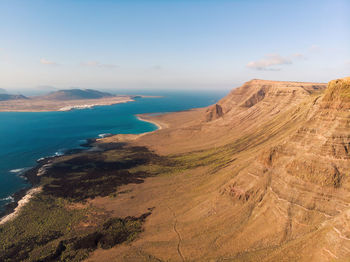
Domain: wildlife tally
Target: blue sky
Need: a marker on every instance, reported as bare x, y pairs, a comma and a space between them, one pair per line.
171, 44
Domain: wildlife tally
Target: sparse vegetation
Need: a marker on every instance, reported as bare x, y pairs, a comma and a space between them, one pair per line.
42, 222
50, 226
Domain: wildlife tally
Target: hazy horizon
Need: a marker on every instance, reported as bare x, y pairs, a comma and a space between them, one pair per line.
118, 91
172, 45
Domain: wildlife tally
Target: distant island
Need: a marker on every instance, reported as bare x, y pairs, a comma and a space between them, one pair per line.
76, 94
7, 97
61, 100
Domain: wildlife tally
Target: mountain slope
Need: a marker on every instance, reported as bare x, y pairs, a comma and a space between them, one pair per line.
241, 112
263, 177
76, 94
6, 97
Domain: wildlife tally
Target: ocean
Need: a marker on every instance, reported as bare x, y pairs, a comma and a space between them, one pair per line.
26, 137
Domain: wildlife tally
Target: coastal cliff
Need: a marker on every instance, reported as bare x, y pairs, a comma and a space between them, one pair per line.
262, 175
264, 178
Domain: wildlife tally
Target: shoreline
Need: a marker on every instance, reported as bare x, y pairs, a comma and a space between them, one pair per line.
67, 108
66, 105
143, 117
33, 175
21, 203
87, 106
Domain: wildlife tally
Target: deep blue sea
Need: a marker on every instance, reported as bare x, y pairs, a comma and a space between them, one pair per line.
26, 137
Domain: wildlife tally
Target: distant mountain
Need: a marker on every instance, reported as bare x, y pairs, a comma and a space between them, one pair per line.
2, 91
75, 94
5, 97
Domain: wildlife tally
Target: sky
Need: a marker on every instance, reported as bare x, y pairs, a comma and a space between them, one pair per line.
164, 44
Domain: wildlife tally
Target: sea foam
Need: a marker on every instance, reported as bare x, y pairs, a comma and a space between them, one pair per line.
104, 135
9, 198
18, 170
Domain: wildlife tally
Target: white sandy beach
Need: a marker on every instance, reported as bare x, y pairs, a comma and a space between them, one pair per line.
158, 124
21, 204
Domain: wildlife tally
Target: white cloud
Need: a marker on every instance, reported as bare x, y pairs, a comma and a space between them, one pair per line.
98, 64
44, 61
299, 56
269, 63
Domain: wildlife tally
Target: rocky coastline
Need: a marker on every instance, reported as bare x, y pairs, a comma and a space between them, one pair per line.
33, 176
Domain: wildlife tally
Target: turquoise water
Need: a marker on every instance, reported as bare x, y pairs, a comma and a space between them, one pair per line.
26, 137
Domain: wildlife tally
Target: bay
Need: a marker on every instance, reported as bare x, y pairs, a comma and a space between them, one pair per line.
28, 136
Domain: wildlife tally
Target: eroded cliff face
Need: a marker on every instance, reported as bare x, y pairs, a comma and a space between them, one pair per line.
243, 111
301, 183
337, 95
214, 112
275, 93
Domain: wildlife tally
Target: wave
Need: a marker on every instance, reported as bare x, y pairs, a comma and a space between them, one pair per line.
60, 152
9, 198
18, 170
104, 135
